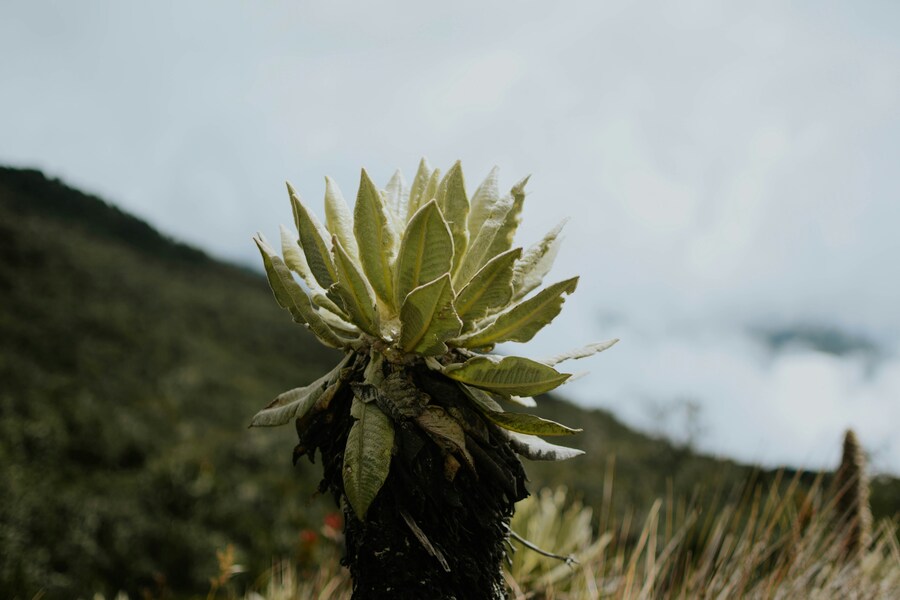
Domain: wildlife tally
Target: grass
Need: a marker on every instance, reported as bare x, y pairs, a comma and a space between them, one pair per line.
778, 540
782, 542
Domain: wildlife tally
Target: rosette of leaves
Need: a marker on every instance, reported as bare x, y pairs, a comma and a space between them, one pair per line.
416, 285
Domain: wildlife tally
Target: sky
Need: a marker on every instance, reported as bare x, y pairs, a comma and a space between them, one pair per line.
730, 170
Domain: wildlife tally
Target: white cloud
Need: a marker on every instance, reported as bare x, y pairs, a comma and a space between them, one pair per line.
790, 407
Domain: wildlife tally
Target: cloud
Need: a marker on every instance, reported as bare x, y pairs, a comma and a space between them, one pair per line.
789, 406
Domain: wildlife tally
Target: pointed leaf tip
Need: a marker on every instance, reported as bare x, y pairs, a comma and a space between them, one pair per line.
483, 201
374, 232
454, 204
417, 190
312, 238
534, 448
536, 262
582, 352
426, 250
493, 236
292, 297
338, 218
519, 188
295, 403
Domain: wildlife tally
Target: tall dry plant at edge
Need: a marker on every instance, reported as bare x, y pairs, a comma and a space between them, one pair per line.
851, 486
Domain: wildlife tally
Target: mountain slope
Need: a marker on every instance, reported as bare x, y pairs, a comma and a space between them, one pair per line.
129, 368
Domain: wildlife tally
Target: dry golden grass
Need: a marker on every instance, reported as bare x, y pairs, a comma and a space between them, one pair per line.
782, 542
786, 541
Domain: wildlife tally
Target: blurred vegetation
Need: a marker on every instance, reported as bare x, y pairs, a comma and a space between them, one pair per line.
785, 538
782, 539
129, 368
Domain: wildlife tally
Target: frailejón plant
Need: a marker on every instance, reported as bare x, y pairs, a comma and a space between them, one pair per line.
419, 279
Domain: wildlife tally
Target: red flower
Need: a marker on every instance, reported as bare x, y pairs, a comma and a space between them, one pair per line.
308, 537
334, 521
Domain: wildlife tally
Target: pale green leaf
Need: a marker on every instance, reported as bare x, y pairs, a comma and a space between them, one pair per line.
481, 398
339, 324
297, 402
534, 448
396, 198
518, 190
530, 424
291, 405
294, 258
523, 423
523, 321
478, 253
510, 375
445, 431
376, 239
584, 352
417, 191
431, 188
529, 272
503, 239
495, 235
483, 201
320, 297
489, 290
367, 455
296, 262
426, 250
486, 401
374, 371
427, 318
280, 279
454, 205
338, 218
355, 292
313, 241
291, 296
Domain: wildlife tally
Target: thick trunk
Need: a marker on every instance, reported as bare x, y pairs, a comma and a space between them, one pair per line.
430, 533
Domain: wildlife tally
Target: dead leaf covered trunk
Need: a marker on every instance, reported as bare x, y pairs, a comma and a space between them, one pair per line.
438, 528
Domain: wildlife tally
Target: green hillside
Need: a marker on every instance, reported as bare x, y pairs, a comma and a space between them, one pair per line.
129, 368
